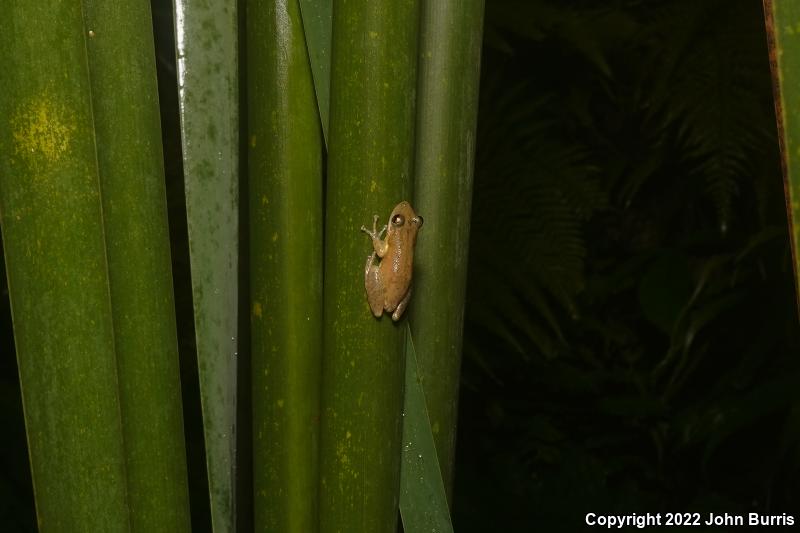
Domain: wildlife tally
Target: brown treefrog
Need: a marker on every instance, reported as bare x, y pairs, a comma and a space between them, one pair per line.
388, 283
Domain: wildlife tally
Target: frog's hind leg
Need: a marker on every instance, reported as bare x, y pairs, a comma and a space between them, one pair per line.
398, 312
373, 286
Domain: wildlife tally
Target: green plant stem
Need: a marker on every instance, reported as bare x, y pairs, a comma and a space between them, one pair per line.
51, 217
285, 198
370, 164
207, 53
128, 133
450, 51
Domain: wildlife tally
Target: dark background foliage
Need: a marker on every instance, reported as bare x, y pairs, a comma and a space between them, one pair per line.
631, 339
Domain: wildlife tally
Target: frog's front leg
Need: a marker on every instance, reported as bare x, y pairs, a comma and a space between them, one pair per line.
401, 307
380, 246
374, 286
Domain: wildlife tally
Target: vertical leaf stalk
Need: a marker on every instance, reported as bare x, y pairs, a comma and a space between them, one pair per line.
285, 209
449, 62
371, 142
51, 218
128, 138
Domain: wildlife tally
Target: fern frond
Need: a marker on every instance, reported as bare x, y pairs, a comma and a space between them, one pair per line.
715, 74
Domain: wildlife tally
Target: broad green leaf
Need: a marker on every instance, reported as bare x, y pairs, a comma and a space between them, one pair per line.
207, 39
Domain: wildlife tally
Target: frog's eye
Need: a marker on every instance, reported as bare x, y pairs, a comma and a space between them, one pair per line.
418, 220
398, 220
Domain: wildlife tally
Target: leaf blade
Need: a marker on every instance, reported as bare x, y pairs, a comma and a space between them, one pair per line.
784, 50
423, 499
207, 59
318, 28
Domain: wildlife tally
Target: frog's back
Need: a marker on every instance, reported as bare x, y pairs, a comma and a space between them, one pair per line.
396, 272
